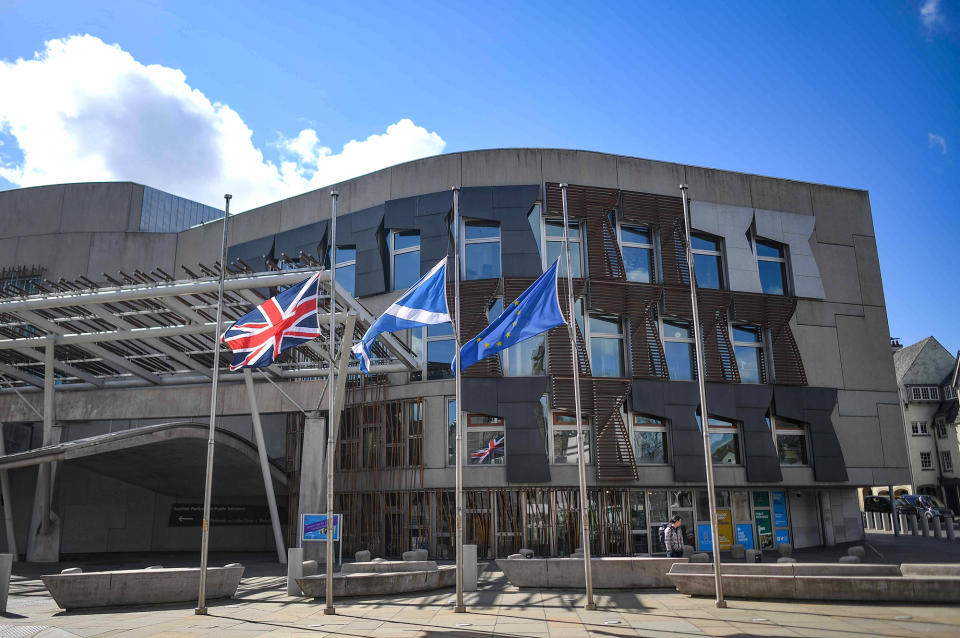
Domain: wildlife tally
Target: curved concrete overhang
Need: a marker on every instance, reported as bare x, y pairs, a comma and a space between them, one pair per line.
169, 458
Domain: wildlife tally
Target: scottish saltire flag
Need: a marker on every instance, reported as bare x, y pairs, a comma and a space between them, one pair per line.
424, 304
490, 453
535, 311
281, 322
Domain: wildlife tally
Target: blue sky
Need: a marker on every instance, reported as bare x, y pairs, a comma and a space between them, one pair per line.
858, 94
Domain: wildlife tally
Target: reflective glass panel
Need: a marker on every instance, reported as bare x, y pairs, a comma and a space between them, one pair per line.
658, 506
772, 276
482, 261
748, 362
604, 325
555, 251
406, 239
606, 357
707, 268
650, 447
406, 269
635, 234
748, 334
481, 230
485, 447
440, 329
677, 330
439, 356
724, 449
704, 243
554, 228
526, 359
769, 249
792, 449
565, 446
346, 277
636, 262
679, 360
451, 432
345, 254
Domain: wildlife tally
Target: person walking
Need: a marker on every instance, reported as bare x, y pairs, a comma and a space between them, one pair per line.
673, 537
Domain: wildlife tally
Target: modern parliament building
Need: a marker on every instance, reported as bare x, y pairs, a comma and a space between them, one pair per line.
106, 346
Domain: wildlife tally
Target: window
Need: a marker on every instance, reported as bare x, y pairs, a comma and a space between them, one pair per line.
347, 267
403, 433
791, 440
941, 428
451, 431
405, 257
636, 246
925, 393
565, 438
948, 392
919, 428
946, 461
606, 346
413, 411
526, 359
678, 348
481, 250
724, 441
440, 349
707, 261
926, 462
553, 236
486, 441
748, 349
772, 264
649, 440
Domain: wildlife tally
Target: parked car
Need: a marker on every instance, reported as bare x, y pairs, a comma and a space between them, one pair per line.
882, 504
929, 506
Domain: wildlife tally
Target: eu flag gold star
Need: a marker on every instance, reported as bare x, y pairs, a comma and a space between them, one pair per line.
499, 343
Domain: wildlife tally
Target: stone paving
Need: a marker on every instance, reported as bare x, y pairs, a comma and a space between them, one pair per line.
263, 609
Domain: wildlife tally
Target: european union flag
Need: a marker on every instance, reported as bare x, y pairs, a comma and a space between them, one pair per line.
535, 311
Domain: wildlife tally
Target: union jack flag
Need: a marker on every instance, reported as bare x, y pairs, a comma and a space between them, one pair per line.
281, 322
490, 453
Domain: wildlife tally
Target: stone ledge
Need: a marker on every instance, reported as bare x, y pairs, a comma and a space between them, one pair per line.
395, 582
608, 572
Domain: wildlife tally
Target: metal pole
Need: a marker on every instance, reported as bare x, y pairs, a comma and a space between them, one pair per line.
895, 522
332, 416
264, 466
704, 414
458, 452
581, 462
208, 486
7, 503
45, 477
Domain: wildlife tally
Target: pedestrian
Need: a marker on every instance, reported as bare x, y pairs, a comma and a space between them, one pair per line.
673, 537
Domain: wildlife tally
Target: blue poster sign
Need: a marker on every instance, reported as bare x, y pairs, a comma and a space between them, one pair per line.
779, 509
782, 536
704, 542
745, 535
315, 527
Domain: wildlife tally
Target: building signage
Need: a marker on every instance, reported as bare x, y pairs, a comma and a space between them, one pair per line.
745, 535
764, 529
783, 536
779, 509
314, 527
724, 529
191, 515
704, 542
761, 499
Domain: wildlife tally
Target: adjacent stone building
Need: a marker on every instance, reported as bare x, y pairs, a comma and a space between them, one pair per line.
801, 389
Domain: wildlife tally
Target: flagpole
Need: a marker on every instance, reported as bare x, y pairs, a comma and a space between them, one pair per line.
458, 451
581, 463
331, 391
704, 414
201, 609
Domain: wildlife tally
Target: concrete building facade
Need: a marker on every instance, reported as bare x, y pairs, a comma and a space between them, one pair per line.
802, 392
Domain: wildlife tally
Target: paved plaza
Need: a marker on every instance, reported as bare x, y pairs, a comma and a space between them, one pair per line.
263, 608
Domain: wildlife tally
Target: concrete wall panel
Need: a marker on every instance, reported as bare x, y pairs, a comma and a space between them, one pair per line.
892, 436
820, 353
719, 187
64, 255
579, 167
841, 213
864, 351
649, 176
868, 269
99, 207
31, 211
305, 209
110, 252
843, 284
859, 437
818, 313
254, 224
863, 403
200, 244
430, 175
501, 168
363, 192
780, 194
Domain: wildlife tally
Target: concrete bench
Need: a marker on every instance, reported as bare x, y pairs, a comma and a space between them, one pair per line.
140, 586
380, 567
608, 572
376, 583
823, 581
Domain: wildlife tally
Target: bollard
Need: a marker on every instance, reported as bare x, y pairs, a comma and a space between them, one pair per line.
950, 533
887, 522
913, 523
936, 527
863, 520
872, 517
925, 525
903, 523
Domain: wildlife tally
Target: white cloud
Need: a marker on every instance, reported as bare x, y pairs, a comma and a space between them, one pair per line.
930, 13
937, 141
82, 110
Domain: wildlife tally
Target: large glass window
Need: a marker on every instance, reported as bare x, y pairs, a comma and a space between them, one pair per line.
405, 256
649, 440
347, 267
527, 358
553, 234
678, 348
724, 441
772, 264
707, 261
565, 438
486, 440
438, 342
748, 349
606, 346
791, 440
636, 246
481, 256
451, 431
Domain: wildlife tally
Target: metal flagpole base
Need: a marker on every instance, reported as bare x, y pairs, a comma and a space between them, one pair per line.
200, 611
330, 611
721, 604
459, 610
590, 606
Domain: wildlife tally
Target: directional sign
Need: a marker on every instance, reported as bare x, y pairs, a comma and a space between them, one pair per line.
191, 515
314, 527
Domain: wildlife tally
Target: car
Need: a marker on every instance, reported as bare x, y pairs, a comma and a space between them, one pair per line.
929, 506
882, 504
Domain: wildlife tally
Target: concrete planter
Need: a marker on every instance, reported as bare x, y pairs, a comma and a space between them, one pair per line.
6, 565
377, 583
608, 572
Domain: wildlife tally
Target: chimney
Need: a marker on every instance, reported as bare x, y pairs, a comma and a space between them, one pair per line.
895, 343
